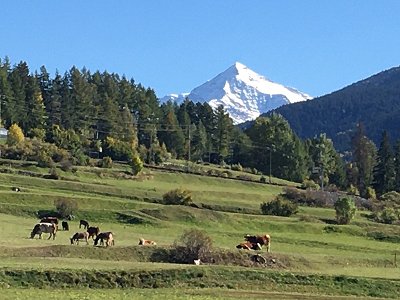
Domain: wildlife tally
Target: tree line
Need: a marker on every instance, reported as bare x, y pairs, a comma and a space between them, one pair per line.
103, 114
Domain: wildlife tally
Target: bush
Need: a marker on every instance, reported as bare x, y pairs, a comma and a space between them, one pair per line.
15, 135
177, 197
66, 165
136, 164
193, 244
65, 206
345, 210
387, 215
106, 162
237, 167
263, 179
309, 184
279, 207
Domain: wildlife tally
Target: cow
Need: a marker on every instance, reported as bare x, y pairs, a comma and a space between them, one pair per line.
49, 220
144, 242
80, 236
15, 189
107, 236
93, 231
65, 225
259, 239
44, 228
249, 246
84, 223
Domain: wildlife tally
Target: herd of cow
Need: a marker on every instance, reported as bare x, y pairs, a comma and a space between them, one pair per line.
50, 225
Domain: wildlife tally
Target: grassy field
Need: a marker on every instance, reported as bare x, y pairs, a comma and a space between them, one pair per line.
331, 260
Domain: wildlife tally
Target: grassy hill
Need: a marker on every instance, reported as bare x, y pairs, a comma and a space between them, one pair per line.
310, 255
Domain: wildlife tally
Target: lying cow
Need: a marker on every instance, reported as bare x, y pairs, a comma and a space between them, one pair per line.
249, 246
80, 236
259, 239
144, 242
107, 236
44, 228
93, 231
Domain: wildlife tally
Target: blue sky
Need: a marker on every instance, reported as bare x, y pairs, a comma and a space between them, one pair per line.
172, 46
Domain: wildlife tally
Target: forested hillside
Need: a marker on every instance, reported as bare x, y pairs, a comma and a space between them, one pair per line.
84, 118
375, 102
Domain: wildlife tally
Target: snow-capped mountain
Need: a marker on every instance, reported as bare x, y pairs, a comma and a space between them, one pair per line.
243, 93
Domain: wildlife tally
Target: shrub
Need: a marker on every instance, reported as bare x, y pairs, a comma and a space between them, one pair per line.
15, 135
177, 197
237, 167
193, 244
65, 206
345, 210
106, 162
279, 207
53, 174
44, 160
371, 194
353, 190
263, 179
136, 164
387, 215
66, 165
309, 184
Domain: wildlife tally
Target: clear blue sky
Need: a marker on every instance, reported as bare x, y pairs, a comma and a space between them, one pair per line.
316, 46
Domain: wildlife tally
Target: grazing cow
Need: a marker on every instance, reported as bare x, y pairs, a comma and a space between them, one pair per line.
107, 236
144, 242
84, 223
44, 228
65, 225
259, 239
16, 189
249, 246
49, 220
93, 231
80, 236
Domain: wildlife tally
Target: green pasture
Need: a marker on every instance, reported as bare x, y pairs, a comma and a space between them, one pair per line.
307, 243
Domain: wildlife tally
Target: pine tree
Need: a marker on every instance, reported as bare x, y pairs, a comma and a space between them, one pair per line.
364, 160
384, 172
34, 104
397, 166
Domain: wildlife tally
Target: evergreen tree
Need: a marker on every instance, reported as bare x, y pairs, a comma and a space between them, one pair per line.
364, 160
171, 133
397, 166
384, 172
34, 104
6, 95
222, 131
199, 141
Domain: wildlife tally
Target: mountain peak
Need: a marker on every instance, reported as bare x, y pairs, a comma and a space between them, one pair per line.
243, 93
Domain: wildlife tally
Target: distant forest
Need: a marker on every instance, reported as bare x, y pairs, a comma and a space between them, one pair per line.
375, 102
81, 116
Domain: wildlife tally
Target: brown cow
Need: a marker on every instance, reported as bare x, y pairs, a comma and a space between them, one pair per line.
93, 231
259, 239
144, 242
249, 246
108, 236
80, 236
44, 228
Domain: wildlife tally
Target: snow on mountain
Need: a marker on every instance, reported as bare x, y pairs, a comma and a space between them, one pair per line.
243, 93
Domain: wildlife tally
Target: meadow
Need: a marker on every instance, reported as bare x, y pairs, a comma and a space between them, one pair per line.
312, 256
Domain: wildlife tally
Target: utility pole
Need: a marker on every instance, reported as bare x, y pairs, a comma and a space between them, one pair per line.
270, 166
188, 157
